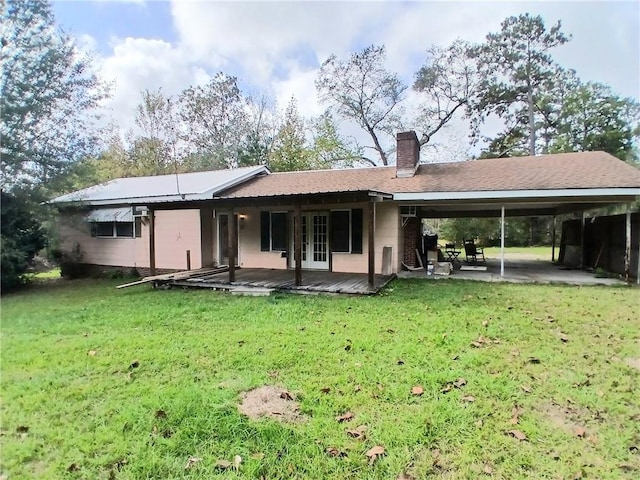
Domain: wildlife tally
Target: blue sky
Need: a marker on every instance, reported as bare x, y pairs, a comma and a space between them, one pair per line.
277, 47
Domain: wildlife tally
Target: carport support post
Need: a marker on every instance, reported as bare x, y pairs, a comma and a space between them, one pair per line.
372, 252
582, 225
627, 246
297, 242
553, 240
152, 242
502, 242
232, 237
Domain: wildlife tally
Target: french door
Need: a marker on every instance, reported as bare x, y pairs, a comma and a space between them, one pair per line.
315, 241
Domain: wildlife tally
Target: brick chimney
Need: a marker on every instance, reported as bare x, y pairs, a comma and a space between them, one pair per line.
408, 154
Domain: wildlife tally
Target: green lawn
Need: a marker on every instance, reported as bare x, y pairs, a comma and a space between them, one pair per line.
537, 253
557, 364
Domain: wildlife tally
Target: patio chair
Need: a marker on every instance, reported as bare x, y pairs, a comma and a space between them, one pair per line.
472, 251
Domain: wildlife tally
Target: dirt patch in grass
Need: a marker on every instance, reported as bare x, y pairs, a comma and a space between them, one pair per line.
633, 362
567, 419
272, 402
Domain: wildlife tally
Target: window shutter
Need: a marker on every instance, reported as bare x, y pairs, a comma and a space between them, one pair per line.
340, 231
356, 230
265, 231
279, 232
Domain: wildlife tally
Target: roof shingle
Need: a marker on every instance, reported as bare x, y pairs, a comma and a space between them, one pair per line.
579, 170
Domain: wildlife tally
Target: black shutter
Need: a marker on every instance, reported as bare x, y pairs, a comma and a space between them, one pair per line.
265, 231
356, 230
279, 232
340, 231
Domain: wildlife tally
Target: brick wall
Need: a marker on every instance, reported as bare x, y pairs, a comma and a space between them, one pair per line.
411, 233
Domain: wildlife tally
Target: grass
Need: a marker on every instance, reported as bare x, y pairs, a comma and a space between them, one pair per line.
533, 253
94, 415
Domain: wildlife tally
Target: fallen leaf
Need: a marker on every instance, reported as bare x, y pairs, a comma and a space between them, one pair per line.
73, 468
417, 390
347, 348
476, 344
488, 469
237, 460
257, 456
455, 357
374, 453
91, 353
286, 395
345, 417
193, 460
334, 452
580, 432
515, 415
391, 330
518, 434
357, 388
405, 476
325, 389
479, 423
380, 387
134, 364
485, 323
223, 464
447, 388
534, 360
469, 398
564, 338
577, 475
459, 383
22, 429
526, 388
160, 414
358, 433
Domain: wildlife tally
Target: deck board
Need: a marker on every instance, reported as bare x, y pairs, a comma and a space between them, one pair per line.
312, 281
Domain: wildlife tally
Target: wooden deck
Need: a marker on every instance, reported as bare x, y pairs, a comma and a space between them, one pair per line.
312, 281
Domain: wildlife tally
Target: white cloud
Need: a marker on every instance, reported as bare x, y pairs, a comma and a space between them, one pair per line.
138, 64
277, 47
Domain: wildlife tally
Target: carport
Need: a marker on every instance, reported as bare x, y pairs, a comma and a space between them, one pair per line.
578, 202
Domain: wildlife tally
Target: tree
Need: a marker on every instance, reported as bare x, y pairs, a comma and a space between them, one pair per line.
21, 237
290, 152
516, 66
155, 150
48, 98
262, 128
447, 81
329, 148
215, 120
592, 117
362, 90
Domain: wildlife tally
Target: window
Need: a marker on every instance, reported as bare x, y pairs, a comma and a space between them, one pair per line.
114, 229
273, 231
346, 231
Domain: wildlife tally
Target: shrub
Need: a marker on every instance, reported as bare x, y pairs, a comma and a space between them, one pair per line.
21, 237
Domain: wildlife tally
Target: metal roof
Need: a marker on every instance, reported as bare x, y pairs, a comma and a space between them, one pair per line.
161, 188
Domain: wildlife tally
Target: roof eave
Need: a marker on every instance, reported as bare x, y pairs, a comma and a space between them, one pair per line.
630, 192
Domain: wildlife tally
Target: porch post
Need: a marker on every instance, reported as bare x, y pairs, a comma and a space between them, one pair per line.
152, 242
372, 251
232, 237
297, 242
502, 242
582, 224
553, 240
627, 246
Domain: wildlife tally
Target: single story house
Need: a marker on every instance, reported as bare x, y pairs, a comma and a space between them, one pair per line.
361, 220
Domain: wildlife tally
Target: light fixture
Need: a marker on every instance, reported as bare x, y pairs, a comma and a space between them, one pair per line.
242, 220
